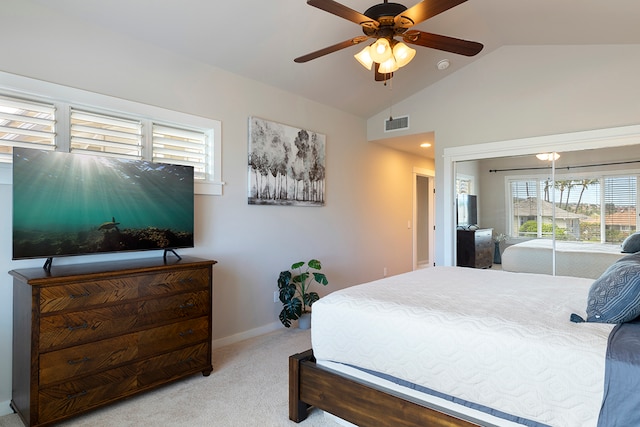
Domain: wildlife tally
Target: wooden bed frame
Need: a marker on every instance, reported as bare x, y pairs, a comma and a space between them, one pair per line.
355, 400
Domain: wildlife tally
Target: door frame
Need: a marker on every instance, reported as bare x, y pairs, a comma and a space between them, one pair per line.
430, 174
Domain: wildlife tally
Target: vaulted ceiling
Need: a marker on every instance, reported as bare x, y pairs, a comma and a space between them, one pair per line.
259, 39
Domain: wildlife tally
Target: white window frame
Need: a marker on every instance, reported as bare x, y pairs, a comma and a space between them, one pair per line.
509, 203
61, 96
601, 174
470, 179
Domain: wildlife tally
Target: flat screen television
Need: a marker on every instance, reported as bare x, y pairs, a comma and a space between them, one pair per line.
467, 212
73, 204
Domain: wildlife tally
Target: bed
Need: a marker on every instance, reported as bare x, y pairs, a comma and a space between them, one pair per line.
452, 346
576, 259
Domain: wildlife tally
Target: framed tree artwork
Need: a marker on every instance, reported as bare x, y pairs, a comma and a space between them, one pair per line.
286, 165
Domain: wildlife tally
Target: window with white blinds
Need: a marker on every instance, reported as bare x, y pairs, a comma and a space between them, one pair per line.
526, 208
111, 136
25, 124
182, 147
620, 213
113, 127
597, 208
464, 184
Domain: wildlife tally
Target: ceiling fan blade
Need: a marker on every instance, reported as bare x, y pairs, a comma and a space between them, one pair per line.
424, 10
344, 12
448, 44
330, 49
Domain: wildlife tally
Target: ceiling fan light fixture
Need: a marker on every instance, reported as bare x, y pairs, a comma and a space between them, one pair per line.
388, 66
403, 54
547, 157
364, 57
380, 51
385, 21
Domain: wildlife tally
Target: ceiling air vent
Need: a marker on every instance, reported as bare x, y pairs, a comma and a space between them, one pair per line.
397, 123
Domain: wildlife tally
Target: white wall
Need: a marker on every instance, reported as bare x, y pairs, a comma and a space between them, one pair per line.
518, 92
361, 230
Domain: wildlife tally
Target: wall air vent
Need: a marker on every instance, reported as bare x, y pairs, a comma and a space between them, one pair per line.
396, 123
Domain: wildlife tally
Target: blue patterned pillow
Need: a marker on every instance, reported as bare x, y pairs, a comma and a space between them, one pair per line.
631, 244
615, 296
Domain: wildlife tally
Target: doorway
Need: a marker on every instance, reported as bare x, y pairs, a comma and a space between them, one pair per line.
423, 218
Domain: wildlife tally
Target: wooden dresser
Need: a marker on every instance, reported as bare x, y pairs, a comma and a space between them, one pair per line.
475, 248
90, 334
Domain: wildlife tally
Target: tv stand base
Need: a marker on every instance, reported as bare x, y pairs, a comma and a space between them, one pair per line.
173, 252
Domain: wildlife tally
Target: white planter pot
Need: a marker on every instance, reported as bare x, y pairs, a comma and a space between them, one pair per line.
304, 322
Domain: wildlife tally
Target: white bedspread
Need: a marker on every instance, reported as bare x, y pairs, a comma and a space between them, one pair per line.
498, 339
575, 259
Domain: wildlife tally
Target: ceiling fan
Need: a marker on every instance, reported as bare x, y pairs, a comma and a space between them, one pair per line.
384, 22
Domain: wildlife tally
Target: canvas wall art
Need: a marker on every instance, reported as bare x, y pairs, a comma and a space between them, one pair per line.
286, 165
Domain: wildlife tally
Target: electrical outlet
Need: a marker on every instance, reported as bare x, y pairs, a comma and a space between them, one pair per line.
275, 296
384, 272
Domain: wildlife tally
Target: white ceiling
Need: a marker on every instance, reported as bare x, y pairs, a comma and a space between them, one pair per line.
259, 39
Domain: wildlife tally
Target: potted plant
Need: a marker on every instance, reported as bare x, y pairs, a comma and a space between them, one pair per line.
295, 294
497, 254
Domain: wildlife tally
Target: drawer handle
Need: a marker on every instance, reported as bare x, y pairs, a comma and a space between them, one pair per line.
82, 295
78, 361
85, 325
187, 360
187, 332
187, 305
73, 396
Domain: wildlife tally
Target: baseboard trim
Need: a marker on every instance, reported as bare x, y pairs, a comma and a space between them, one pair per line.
5, 408
252, 333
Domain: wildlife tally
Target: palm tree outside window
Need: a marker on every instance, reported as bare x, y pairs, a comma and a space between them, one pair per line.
599, 209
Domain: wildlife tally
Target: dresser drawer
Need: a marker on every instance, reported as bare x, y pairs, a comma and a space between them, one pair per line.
92, 293
76, 396
86, 294
175, 281
60, 365
64, 330
70, 328
173, 336
159, 369
181, 306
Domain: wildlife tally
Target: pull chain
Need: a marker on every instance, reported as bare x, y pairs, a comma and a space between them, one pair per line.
390, 98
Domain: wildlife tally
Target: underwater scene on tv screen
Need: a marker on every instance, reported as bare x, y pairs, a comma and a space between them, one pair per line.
73, 204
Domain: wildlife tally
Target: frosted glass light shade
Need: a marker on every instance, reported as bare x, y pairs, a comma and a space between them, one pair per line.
403, 54
380, 51
548, 156
388, 66
364, 57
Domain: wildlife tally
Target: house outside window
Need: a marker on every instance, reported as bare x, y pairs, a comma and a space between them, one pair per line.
597, 208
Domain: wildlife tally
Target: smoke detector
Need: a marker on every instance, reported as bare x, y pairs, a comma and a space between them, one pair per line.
443, 64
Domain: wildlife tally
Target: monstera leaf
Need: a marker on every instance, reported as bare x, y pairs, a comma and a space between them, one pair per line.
294, 293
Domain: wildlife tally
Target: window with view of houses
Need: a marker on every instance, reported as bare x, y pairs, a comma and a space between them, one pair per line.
599, 208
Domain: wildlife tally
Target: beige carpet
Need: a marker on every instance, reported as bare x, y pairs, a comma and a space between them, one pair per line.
248, 387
